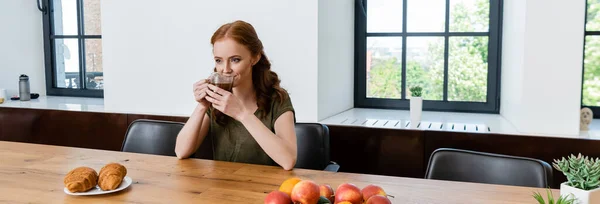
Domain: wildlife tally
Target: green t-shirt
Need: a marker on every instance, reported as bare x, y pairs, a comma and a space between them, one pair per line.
232, 141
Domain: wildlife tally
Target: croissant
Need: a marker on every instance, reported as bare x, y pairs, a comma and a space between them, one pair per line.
81, 179
111, 176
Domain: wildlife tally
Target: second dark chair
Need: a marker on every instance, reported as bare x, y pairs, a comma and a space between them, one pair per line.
480, 167
313, 147
152, 137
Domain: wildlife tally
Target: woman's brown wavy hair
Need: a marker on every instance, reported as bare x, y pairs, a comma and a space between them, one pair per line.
265, 81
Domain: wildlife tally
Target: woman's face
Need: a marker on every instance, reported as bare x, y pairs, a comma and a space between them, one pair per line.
234, 59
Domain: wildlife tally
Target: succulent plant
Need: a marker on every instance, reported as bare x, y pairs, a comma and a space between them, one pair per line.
569, 199
416, 91
581, 172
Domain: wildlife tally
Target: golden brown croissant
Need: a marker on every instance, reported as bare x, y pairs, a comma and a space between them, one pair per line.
81, 179
111, 176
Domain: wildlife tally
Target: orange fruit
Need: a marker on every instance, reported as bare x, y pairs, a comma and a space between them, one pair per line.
288, 185
345, 202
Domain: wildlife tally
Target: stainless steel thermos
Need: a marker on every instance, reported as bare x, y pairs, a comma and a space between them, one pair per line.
24, 92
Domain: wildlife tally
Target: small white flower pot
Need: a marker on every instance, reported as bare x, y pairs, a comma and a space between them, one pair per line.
416, 108
583, 196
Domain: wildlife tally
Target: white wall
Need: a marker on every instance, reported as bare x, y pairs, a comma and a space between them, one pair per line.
513, 62
336, 57
542, 65
21, 46
152, 56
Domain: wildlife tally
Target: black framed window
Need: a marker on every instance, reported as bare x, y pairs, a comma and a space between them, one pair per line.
590, 93
73, 48
451, 48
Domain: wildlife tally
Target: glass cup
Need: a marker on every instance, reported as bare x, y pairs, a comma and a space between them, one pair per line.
222, 81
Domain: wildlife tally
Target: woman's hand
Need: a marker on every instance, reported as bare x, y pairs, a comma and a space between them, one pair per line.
226, 102
200, 90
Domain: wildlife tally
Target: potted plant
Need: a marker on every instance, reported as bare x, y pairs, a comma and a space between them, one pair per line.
416, 105
583, 175
561, 199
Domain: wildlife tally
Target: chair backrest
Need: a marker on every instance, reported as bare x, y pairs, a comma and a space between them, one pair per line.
480, 167
313, 146
152, 137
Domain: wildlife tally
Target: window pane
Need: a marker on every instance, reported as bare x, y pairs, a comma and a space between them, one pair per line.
591, 75
425, 66
384, 16
467, 69
93, 64
469, 15
67, 63
91, 16
65, 17
593, 16
426, 15
384, 67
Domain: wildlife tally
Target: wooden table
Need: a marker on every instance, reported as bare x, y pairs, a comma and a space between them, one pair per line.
31, 173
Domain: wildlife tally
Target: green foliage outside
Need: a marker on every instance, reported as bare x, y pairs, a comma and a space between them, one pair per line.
591, 76
467, 63
386, 79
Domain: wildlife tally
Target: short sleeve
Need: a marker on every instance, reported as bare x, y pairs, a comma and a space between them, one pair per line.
280, 107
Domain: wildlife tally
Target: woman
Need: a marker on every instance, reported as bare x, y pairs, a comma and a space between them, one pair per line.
252, 124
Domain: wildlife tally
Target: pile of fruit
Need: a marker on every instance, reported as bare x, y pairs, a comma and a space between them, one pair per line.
295, 190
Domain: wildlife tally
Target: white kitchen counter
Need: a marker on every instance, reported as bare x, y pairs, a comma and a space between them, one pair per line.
59, 103
72, 104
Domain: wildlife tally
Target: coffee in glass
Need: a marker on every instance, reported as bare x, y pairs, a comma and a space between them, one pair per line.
222, 81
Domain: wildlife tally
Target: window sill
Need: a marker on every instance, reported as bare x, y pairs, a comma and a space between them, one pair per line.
430, 120
440, 121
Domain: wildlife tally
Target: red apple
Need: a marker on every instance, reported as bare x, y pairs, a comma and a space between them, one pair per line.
277, 197
378, 199
348, 192
306, 192
326, 191
372, 190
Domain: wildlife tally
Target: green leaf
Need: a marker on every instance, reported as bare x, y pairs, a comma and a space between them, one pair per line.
550, 197
539, 198
566, 199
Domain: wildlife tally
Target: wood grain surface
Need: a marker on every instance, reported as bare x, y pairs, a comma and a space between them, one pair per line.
33, 173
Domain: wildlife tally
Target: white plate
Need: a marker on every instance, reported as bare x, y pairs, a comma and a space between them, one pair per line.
97, 191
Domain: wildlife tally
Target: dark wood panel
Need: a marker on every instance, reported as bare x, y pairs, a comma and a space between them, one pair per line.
543, 148
65, 128
77, 129
377, 151
18, 125
205, 151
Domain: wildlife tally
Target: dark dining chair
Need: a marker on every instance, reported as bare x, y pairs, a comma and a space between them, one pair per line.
152, 137
480, 167
313, 147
